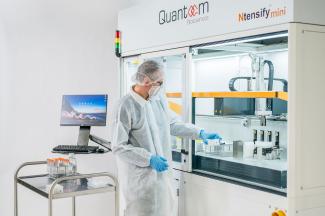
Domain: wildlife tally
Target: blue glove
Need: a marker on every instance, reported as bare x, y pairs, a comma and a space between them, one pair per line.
205, 136
158, 163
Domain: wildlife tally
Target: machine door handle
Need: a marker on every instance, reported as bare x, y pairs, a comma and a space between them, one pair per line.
183, 151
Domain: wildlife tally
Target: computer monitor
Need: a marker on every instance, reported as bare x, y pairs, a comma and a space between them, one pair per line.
84, 111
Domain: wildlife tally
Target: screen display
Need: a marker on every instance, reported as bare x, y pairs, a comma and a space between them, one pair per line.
84, 110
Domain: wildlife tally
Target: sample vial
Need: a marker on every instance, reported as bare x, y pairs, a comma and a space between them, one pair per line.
73, 163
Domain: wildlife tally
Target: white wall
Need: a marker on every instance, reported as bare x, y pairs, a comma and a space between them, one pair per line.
50, 48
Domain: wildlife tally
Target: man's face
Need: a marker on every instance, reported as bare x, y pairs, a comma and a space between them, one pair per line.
154, 84
157, 83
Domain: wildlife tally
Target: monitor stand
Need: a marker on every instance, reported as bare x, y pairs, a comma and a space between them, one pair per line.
83, 137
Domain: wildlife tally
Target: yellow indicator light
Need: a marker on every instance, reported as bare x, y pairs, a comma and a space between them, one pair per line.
279, 213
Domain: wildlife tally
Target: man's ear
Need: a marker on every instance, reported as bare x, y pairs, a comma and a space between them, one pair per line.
147, 82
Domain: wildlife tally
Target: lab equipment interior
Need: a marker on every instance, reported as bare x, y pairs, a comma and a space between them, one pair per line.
253, 71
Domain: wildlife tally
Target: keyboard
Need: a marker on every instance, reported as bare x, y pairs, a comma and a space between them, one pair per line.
74, 149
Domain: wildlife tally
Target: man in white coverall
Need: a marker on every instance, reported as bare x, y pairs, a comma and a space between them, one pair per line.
143, 126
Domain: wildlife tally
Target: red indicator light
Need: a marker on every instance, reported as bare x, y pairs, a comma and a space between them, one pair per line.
118, 43
117, 34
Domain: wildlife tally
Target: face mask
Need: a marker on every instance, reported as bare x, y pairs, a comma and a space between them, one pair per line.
153, 91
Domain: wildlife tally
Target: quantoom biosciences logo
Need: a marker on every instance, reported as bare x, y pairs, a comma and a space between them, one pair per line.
192, 13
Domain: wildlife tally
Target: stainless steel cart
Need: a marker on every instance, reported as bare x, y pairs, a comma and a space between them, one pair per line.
38, 183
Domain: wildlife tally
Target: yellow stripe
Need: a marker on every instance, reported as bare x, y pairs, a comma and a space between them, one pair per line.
136, 61
266, 94
283, 96
174, 95
175, 107
234, 94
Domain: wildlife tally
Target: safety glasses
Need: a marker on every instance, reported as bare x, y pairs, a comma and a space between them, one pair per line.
157, 83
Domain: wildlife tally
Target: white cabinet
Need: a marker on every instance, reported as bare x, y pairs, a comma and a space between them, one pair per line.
210, 197
306, 180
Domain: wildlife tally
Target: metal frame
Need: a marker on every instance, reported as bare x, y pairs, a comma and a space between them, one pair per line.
51, 196
247, 183
186, 98
186, 159
123, 75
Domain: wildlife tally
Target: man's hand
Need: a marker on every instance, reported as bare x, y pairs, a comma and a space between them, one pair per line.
158, 163
205, 136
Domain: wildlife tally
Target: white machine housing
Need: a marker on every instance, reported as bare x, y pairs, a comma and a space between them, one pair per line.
142, 31
145, 29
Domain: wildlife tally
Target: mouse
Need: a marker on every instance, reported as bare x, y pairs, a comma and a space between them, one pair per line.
100, 150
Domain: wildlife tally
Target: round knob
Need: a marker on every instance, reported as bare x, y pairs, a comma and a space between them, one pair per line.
279, 213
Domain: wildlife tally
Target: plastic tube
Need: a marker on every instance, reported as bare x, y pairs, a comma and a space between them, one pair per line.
271, 75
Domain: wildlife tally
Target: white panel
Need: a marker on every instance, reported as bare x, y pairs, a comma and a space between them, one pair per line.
311, 11
312, 212
141, 28
209, 197
312, 101
306, 125
177, 179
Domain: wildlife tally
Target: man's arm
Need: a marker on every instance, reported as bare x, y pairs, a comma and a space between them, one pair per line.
124, 150
181, 129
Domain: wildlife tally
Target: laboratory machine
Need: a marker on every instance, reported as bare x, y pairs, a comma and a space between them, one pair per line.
252, 72
237, 88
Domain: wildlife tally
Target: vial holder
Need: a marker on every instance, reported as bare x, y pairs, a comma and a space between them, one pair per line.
59, 167
216, 147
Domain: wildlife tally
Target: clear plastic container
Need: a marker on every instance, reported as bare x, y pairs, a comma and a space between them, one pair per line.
73, 163
58, 167
50, 166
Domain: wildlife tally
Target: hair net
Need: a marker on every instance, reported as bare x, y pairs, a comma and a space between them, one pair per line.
149, 69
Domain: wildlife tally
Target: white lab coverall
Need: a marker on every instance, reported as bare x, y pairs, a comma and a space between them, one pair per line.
143, 128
